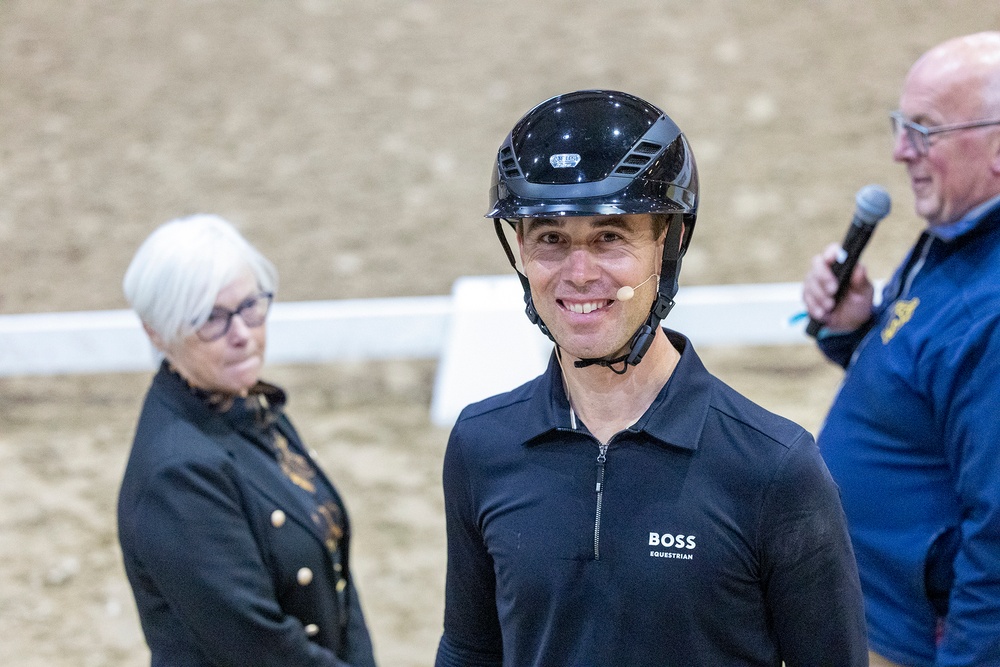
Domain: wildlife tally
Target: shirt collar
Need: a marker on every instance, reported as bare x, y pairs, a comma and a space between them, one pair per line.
965, 224
676, 417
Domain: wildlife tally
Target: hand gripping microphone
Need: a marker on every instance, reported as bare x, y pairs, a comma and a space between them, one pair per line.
872, 203
626, 292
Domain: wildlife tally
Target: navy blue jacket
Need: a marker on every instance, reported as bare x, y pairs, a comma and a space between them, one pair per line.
712, 534
913, 440
217, 575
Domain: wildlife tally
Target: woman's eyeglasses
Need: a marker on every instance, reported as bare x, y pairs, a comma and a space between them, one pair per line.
252, 310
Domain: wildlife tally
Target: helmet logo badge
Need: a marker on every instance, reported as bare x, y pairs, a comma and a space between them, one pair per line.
564, 160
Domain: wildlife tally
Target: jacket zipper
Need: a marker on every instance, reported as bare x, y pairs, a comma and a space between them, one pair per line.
601, 460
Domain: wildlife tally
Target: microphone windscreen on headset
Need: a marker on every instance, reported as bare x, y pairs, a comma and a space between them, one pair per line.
625, 292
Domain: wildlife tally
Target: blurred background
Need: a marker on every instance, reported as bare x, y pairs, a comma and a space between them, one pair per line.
353, 143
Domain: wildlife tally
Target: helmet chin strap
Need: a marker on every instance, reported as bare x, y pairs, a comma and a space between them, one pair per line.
529, 306
643, 337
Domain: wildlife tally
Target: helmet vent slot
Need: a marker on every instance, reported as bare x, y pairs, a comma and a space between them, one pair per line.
639, 158
508, 163
636, 160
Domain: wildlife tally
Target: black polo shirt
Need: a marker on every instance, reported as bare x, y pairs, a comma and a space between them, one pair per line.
711, 534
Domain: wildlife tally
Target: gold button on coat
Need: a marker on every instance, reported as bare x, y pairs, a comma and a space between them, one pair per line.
304, 576
312, 629
277, 518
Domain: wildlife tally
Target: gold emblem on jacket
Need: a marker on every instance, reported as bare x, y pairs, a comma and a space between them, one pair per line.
902, 311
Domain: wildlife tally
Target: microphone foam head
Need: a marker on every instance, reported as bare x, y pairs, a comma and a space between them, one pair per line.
625, 293
873, 203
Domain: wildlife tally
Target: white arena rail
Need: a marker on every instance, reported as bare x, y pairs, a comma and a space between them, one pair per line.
479, 334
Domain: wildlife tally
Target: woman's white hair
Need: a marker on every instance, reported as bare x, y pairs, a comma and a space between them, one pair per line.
179, 270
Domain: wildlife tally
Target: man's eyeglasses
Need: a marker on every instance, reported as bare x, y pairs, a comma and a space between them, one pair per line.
920, 136
253, 312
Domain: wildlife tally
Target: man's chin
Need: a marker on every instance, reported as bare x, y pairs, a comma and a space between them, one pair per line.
590, 346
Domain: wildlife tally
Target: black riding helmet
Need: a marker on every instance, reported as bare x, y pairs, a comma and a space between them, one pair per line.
599, 152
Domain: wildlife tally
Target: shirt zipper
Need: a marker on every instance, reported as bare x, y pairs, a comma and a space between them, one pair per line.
601, 460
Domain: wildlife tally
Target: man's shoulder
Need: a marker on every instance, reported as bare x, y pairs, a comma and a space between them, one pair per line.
740, 411
493, 429
962, 295
500, 406
700, 406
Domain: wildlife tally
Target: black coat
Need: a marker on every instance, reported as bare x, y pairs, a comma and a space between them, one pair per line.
225, 563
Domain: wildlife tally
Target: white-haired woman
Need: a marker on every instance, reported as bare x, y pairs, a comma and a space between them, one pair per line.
235, 543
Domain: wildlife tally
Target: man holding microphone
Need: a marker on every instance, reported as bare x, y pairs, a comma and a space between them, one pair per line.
913, 436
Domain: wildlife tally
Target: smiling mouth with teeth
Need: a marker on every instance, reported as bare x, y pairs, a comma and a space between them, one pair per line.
586, 307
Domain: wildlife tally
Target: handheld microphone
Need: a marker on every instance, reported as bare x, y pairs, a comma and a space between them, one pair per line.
872, 203
625, 292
